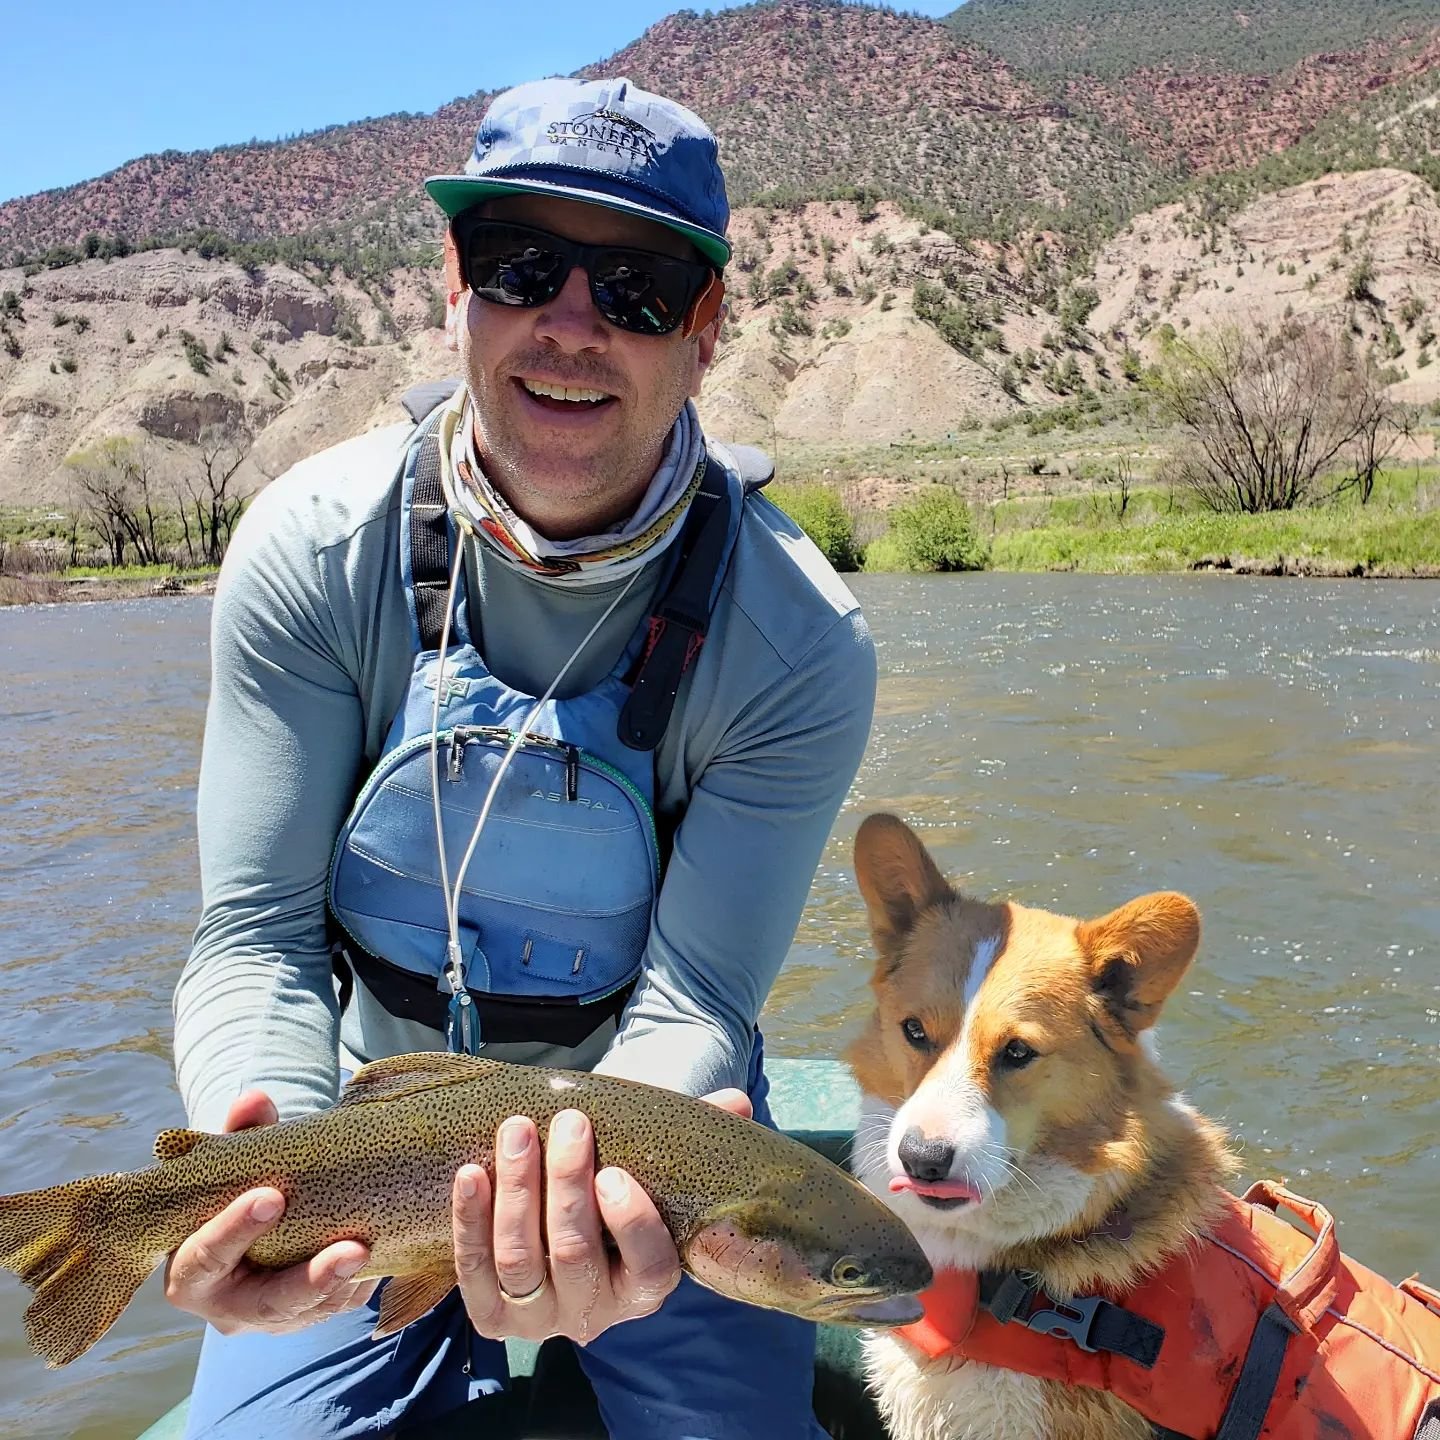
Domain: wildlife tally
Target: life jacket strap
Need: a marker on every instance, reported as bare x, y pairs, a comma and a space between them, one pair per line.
1090, 1322
1265, 1356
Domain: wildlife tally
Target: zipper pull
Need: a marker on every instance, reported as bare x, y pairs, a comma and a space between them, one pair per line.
457, 753
572, 773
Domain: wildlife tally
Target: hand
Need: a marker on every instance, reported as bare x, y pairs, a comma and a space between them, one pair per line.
209, 1275
515, 1287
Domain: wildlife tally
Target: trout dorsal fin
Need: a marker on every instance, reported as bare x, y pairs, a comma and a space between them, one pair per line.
172, 1144
399, 1075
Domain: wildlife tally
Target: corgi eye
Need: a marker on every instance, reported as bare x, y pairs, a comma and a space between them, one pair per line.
914, 1033
1017, 1055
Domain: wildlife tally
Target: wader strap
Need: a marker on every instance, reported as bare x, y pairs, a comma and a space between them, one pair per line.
1089, 1321
1250, 1400
429, 535
678, 626
504, 1019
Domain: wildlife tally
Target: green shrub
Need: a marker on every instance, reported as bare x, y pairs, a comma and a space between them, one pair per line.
935, 531
818, 511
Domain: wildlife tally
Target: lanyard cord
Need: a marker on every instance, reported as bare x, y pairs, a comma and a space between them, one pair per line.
454, 961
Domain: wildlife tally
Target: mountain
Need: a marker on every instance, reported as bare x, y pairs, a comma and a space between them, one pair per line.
927, 218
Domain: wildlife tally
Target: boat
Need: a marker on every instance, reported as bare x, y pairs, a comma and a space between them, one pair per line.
815, 1101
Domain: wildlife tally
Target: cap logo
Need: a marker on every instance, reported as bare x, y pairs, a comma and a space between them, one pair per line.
606, 130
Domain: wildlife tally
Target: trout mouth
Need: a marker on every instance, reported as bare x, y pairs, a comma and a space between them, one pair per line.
875, 1309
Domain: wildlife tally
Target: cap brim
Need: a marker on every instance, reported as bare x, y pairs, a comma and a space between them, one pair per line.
454, 193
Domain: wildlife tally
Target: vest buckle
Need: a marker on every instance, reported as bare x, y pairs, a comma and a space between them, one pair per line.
1067, 1320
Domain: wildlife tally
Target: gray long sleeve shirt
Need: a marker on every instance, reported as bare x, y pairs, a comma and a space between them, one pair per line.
311, 655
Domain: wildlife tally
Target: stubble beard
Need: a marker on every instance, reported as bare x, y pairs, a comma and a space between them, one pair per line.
602, 485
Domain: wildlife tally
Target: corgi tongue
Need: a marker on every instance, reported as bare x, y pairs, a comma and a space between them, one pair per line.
937, 1189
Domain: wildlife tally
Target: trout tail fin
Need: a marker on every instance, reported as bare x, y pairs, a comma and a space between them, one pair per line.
82, 1277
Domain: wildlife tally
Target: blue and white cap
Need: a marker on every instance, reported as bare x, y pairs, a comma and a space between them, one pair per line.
606, 142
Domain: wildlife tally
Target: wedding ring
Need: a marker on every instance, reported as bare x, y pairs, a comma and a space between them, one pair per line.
530, 1297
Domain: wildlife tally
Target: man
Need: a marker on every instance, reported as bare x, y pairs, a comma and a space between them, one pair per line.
538, 556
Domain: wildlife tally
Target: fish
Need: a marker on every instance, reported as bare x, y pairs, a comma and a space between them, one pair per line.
755, 1215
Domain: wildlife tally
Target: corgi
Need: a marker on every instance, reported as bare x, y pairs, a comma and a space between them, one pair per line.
1013, 1113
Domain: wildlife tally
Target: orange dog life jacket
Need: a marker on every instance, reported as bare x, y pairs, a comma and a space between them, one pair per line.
1256, 1332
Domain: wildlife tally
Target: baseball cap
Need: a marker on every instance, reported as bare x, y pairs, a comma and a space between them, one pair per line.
606, 142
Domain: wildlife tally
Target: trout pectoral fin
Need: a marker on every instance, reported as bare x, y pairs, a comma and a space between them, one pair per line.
408, 1297
399, 1075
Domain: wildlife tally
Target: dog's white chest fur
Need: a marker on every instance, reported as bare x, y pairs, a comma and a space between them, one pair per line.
939, 1400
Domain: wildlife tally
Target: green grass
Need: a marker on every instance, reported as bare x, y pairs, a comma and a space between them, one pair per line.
1397, 532
136, 572
1380, 540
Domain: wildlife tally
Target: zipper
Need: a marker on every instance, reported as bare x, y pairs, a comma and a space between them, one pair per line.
574, 759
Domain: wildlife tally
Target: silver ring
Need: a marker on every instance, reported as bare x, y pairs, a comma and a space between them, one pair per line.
529, 1297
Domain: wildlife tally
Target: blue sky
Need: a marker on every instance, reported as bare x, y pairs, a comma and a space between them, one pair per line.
86, 87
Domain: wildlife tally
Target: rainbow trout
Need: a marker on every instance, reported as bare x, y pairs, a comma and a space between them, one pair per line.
755, 1215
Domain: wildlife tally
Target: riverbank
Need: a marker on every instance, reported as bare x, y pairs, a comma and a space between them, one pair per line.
1110, 521
129, 584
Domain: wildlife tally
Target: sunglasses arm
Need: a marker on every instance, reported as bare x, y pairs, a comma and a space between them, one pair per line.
706, 306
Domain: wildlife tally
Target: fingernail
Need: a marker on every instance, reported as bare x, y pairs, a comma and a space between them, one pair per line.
514, 1139
467, 1185
346, 1268
570, 1126
266, 1209
613, 1186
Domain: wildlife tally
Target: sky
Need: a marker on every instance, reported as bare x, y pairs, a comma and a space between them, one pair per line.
91, 85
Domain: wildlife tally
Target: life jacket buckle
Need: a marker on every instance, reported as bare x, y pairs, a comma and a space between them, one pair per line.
1067, 1320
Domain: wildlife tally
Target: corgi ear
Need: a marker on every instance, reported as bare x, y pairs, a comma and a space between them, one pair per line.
1137, 955
897, 878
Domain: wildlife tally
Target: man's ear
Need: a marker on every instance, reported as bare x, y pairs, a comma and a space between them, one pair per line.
454, 281
704, 322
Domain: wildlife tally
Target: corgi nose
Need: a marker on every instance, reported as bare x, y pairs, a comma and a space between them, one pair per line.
925, 1159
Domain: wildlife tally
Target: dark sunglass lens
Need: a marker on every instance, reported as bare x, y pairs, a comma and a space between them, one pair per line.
643, 293
514, 269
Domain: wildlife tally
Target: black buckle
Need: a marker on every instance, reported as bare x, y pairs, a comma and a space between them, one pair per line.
1068, 1319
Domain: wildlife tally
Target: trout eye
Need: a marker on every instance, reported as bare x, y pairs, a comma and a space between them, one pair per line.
848, 1272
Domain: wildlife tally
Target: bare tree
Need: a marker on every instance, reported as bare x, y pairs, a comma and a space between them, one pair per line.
212, 497
1119, 481
114, 485
1280, 416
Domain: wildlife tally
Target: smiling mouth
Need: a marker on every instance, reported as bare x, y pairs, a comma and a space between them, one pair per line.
565, 398
938, 1194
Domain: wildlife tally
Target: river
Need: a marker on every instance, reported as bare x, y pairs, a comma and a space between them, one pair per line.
1271, 747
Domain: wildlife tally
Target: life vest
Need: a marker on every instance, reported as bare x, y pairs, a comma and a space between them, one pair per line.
1257, 1331
556, 904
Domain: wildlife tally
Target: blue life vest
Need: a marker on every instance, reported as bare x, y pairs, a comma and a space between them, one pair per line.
557, 901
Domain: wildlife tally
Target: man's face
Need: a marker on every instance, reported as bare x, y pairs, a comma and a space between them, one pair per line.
570, 468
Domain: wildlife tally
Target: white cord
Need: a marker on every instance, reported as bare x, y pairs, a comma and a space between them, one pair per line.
455, 962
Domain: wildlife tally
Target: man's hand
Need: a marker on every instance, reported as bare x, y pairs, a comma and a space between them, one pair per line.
210, 1277
517, 1286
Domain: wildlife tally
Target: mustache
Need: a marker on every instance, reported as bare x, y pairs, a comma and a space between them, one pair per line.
567, 370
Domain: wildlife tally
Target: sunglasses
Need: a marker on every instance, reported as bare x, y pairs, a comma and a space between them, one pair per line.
635, 290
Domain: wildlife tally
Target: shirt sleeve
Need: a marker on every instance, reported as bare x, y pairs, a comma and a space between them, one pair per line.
255, 1004
743, 860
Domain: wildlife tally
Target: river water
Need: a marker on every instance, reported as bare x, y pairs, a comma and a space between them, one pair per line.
1272, 747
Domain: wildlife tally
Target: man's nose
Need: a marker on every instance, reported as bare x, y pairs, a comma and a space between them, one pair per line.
570, 319
925, 1159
